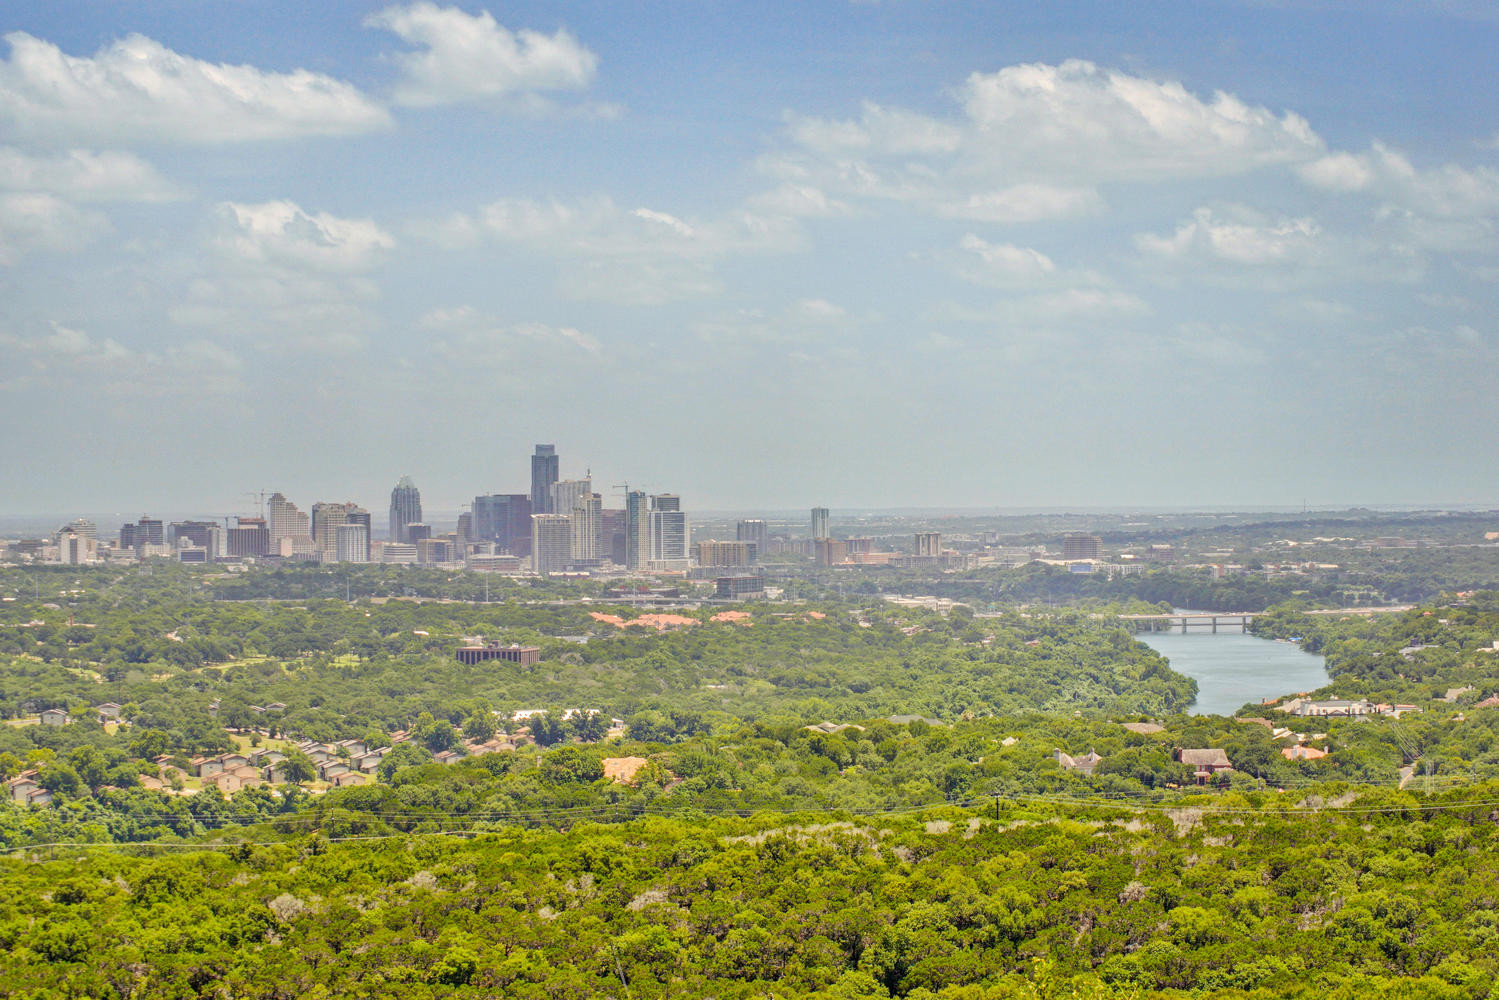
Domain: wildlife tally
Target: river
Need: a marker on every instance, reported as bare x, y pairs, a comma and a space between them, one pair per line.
1233, 668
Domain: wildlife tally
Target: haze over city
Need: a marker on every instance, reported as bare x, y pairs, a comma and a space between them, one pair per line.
767, 257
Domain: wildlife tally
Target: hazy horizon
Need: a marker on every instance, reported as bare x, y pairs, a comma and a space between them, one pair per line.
877, 254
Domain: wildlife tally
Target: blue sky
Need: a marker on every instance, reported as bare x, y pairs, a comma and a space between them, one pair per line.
771, 255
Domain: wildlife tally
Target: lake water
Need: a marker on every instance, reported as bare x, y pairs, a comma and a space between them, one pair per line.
1232, 668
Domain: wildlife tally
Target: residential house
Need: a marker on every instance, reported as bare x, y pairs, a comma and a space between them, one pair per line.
1303, 753
109, 712
351, 778
205, 767
1205, 762
55, 717
1083, 765
332, 769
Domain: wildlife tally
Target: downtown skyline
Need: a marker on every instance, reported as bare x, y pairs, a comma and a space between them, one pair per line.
1227, 254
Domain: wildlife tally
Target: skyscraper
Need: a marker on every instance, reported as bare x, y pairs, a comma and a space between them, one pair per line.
670, 531
754, 531
352, 543
285, 521
566, 493
587, 518
405, 508
505, 519
544, 472
551, 542
637, 530
820, 523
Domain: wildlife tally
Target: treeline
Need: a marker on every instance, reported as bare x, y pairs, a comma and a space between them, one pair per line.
1384, 899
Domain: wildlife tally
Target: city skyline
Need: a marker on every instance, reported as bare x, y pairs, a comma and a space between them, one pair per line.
878, 255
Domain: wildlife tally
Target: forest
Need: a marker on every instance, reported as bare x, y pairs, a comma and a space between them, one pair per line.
927, 840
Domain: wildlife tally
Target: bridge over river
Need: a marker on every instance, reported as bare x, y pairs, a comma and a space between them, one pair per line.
1209, 621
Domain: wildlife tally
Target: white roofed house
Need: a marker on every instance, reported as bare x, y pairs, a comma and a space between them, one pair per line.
1084, 765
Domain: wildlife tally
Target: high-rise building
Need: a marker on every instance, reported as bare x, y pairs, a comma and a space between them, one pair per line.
1077, 545
202, 534
714, 553
551, 543
820, 523
754, 531
505, 519
670, 531
326, 517
637, 530
566, 492
829, 551
418, 530
82, 527
587, 518
352, 542
405, 508
249, 537
928, 543
544, 472
354, 514
285, 520
612, 536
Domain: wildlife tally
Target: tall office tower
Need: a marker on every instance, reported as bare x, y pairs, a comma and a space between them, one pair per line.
405, 508
670, 530
74, 548
82, 527
754, 531
820, 523
928, 543
199, 533
588, 516
352, 543
544, 472
637, 530
551, 542
612, 536
463, 534
1076, 545
249, 537
355, 514
326, 517
505, 519
417, 531
149, 531
285, 521
566, 492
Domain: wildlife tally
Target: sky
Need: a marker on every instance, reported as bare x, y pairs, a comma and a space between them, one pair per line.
775, 255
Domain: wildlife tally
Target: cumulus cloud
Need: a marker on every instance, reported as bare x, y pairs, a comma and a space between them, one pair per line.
1025, 203
465, 335
136, 89
804, 323
1032, 142
282, 274
84, 175
983, 262
799, 201
281, 232
38, 221
1241, 237
1447, 191
640, 256
465, 57
65, 358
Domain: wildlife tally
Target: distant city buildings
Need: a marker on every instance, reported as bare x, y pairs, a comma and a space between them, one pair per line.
545, 470
1076, 545
819, 523
754, 531
551, 543
405, 508
928, 543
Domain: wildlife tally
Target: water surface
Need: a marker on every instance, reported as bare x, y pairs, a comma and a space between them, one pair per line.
1232, 668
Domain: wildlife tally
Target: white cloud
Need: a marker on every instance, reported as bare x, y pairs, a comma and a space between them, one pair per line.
640, 256
1033, 141
464, 335
32, 221
84, 175
136, 90
280, 232
1002, 263
1447, 191
1025, 203
65, 358
799, 201
466, 57
1078, 119
1242, 237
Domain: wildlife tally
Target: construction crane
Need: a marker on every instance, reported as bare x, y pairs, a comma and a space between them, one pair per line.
259, 499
